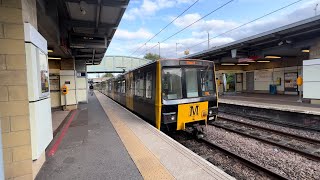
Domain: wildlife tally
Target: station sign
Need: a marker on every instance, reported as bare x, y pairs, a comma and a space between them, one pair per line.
248, 59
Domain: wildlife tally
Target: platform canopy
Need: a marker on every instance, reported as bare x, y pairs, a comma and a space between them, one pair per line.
117, 64
286, 41
79, 29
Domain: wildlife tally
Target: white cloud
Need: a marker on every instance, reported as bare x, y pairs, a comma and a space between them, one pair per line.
198, 32
150, 7
214, 26
219, 26
139, 34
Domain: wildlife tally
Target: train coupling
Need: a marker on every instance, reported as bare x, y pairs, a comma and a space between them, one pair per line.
196, 130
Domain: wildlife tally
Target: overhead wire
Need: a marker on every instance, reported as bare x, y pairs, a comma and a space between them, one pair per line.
165, 27
272, 12
223, 5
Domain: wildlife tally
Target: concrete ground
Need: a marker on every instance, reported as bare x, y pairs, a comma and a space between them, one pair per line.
279, 102
58, 116
91, 149
280, 99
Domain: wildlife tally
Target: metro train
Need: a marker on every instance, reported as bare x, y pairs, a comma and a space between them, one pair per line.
172, 94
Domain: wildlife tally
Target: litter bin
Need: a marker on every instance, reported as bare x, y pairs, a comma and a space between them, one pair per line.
273, 89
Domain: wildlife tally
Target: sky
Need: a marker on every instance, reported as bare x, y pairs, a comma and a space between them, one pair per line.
145, 18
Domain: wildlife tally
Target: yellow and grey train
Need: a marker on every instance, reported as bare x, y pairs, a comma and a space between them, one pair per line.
169, 93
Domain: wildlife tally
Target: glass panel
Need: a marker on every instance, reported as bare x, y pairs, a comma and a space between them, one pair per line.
44, 73
192, 82
149, 85
171, 83
207, 82
137, 85
118, 86
141, 86
131, 86
123, 87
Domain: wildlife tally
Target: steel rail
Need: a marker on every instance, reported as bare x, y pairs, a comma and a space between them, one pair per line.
279, 144
273, 130
249, 163
272, 122
243, 160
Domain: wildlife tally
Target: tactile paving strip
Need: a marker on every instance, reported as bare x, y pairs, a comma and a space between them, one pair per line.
148, 164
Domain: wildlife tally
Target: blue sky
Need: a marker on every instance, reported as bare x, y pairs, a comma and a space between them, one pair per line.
144, 18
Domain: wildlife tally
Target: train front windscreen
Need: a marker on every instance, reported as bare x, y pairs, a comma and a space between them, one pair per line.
187, 82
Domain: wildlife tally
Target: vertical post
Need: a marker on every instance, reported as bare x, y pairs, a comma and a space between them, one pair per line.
146, 47
208, 40
299, 83
159, 49
176, 50
65, 102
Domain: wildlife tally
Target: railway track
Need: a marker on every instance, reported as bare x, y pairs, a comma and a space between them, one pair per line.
260, 171
307, 147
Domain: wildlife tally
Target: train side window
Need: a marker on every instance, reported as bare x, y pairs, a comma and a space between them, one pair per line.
139, 85
123, 87
136, 85
149, 85
119, 87
110, 86
131, 86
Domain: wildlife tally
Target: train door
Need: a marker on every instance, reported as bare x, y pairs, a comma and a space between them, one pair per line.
250, 81
239, 78
129, 91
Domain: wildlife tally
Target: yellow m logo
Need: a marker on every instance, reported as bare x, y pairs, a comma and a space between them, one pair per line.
194, 110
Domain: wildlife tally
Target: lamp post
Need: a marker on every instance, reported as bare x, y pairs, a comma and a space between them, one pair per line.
146, 48
177, 50
208, 39
159, 49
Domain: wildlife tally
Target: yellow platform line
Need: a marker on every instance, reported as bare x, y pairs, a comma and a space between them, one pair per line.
148, 164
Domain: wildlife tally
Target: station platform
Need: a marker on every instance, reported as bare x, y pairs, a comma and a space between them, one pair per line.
276, 102
103, 140
280, 109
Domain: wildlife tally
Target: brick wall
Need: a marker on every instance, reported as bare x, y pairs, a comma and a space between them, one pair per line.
14, 107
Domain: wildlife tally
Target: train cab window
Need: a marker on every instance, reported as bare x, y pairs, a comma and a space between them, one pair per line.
149, 85
207, 82
171, 83
192, 82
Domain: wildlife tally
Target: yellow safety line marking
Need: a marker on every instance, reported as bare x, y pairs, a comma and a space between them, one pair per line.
148, 164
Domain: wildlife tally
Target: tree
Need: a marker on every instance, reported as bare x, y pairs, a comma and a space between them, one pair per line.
108, 75
152, 56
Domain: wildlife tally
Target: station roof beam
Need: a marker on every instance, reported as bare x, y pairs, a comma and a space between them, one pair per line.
84, 26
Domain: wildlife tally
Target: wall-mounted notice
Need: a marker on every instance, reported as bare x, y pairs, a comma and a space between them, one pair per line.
263, 75
290, 81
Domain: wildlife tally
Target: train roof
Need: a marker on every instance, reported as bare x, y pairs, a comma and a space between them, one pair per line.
166, 59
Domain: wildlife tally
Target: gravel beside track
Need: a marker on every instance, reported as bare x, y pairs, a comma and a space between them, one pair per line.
230, 165
284, 162
308, 134
294, 143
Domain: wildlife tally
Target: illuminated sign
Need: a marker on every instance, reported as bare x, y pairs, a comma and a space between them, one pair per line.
199, 63
248, 59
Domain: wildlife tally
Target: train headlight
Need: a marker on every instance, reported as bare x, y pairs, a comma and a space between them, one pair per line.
169, 117
212, 111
